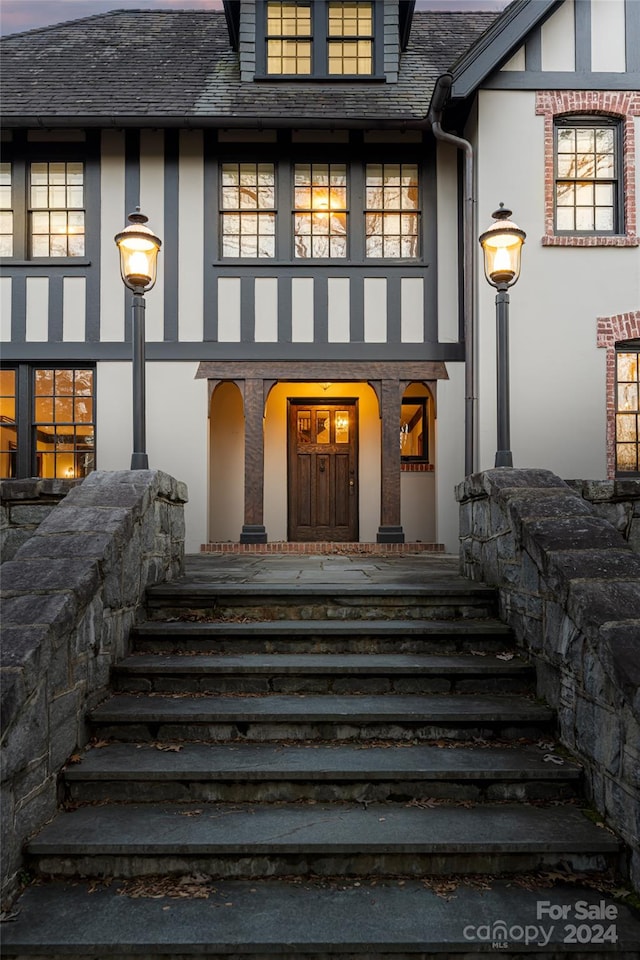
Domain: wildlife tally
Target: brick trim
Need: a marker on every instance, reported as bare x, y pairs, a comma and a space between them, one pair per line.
623, 326
324, 547
623, 104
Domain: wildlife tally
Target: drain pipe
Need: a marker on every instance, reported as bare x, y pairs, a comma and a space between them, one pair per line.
440, 96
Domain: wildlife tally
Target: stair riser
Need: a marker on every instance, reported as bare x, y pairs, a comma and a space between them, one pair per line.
330, 608
291, 684
326, 791
442, 644
262, 865
317, 731
295, 952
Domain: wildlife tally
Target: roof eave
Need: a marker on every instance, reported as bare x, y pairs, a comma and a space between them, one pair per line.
498, 43
200, 122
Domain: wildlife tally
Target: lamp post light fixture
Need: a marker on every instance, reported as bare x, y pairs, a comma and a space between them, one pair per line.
139, 248
502, 246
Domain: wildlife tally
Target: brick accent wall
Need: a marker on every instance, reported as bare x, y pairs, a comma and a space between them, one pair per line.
623, 104
624, 326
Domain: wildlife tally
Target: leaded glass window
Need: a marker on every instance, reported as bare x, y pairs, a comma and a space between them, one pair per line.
56, 209
320, 210
392, 215
587, 177
248, 215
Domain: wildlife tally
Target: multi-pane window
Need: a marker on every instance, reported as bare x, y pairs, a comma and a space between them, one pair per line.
6, 211
320, 210
392, 216
323, 38
289, 33
248, 217
413, 430
350, 41
628, 411
63, 422
8, 426
56, 209
587, 177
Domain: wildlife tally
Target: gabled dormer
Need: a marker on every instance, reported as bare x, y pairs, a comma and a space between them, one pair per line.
327, 40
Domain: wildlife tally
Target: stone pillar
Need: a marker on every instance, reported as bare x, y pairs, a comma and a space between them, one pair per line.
390, 530
253, 530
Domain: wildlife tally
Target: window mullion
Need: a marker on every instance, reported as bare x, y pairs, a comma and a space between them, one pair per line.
356, 220
20, 207
284, 208
320, 28
25, 460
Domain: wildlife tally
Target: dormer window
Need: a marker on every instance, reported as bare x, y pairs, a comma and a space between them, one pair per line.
320, 38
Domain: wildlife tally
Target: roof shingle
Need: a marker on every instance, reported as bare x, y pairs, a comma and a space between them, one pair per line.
177, 67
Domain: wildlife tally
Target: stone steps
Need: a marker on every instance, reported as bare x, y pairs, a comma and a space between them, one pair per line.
145, 717
223, 840
311, 763
437, 600
321, 673
369, 636
274, 773
379, 920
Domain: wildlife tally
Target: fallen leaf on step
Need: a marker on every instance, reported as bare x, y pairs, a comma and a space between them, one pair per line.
478, 653
505, 656
552, 758
168, 747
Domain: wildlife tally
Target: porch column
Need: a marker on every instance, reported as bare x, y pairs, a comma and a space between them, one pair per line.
390, 530
253, 530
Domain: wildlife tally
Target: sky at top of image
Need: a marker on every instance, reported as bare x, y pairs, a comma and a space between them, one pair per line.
19, 15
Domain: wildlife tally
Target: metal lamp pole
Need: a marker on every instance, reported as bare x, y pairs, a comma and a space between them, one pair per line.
139, 458
502, 245
139, 248
504, 457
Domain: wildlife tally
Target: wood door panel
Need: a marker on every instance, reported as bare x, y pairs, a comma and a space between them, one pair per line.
322, 470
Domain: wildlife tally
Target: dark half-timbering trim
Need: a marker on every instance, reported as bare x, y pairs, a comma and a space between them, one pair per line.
582, 19
352, 371
170, 250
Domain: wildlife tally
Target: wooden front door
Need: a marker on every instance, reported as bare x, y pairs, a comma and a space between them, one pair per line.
323, 465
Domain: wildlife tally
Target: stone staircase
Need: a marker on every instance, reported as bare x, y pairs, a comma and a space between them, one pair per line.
325, 770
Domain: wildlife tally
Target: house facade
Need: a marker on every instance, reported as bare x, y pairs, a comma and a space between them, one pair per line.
320, 340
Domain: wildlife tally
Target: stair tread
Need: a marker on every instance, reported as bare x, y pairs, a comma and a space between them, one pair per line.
124, 761
472, 627
290, 919
341, 587
234, 829
328, 663
330, 707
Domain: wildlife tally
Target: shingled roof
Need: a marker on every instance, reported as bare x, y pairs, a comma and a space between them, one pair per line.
177, 68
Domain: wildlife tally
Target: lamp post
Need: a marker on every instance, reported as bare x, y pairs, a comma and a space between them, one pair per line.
502, 245
139, 248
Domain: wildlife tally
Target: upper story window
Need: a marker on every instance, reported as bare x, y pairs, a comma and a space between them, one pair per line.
248, 217
587, 176
323, 226
42, 209
350, 42
320, 38
6, 211
392, 214
627, 458
320, 210
288, 38
56, 209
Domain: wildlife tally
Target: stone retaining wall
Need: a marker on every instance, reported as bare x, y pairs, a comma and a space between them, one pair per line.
70, 596
569, 586
24, 504
617, 501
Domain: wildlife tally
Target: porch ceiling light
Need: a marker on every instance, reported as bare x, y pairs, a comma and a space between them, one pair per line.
139, 248
502, 245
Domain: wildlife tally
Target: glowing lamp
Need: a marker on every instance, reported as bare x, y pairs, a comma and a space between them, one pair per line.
502, 245
139, 248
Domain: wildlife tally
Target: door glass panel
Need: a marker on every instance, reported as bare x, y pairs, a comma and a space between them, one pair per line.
304, 426
323, 426
342, 426
412, 429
